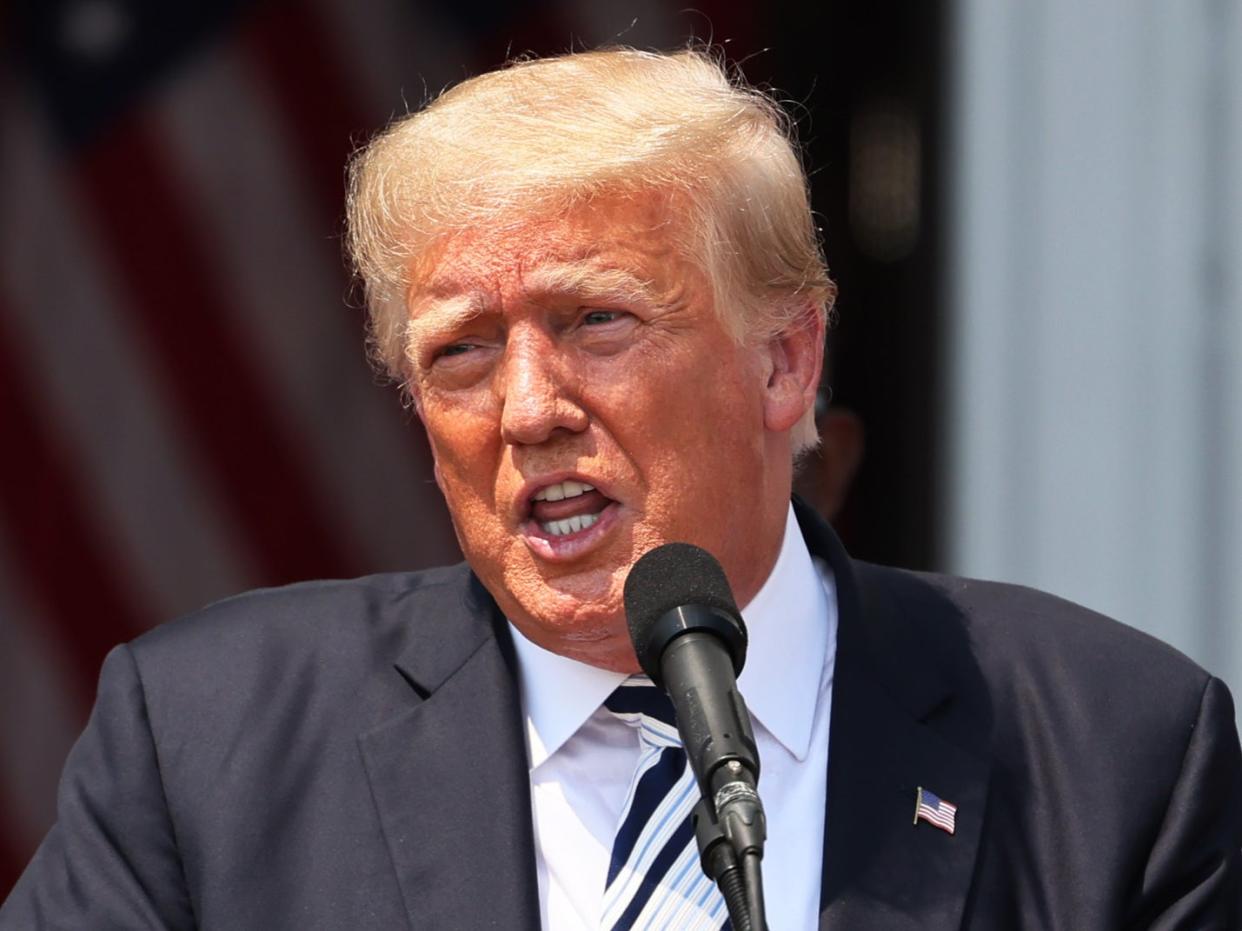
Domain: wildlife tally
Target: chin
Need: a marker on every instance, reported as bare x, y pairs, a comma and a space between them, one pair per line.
601, 642
576, 612
584, 621
580, 628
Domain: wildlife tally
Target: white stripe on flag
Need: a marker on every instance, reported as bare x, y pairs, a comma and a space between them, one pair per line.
99, 392
281, 265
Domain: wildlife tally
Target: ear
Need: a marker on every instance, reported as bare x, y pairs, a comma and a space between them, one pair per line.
795, 360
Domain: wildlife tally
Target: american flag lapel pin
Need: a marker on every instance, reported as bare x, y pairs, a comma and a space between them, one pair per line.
935, 811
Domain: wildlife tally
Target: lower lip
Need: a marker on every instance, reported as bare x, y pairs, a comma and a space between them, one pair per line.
571, 545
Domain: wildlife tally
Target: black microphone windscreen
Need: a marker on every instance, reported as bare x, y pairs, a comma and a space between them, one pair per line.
673, 576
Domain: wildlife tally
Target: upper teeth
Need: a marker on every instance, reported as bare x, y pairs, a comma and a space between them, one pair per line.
561, 490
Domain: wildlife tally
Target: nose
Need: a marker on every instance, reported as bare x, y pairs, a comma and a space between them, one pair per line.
536, 396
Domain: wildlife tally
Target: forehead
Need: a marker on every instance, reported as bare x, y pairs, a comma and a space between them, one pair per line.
636, 240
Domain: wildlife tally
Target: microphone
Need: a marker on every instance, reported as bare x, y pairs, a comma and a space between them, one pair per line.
690, 640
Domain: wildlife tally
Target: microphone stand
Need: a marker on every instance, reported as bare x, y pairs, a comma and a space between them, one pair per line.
720, 747
719, 862
731, 847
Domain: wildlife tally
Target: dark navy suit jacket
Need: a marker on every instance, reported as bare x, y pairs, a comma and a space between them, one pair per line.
350, 755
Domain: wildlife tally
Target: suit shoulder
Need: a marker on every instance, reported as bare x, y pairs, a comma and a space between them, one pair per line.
322, 653
1015, 621
341, 623
1035, 649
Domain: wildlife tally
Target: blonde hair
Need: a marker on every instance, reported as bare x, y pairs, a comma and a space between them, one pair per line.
540, 136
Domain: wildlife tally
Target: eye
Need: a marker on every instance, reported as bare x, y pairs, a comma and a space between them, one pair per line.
598, 317
602, 331
454, 357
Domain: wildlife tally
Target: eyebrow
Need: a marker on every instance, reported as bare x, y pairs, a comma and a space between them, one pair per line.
438, 317
592, 282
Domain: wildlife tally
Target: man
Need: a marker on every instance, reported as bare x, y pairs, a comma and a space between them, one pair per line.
598, 279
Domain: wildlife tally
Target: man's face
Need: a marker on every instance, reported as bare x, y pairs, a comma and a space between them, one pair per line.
584, 405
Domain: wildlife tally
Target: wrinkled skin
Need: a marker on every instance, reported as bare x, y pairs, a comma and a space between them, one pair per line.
586, 347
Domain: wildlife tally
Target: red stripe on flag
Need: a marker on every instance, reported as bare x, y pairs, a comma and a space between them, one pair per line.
12, 860
56, 546
143, 226
288, 47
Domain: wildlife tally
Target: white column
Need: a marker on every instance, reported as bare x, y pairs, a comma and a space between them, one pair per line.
1095, 355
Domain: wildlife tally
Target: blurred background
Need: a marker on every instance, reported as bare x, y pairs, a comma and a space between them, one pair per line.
1034, 213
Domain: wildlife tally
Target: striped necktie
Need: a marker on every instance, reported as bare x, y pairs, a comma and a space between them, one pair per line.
654, 877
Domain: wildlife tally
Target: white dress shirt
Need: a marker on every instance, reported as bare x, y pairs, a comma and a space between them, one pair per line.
582, 757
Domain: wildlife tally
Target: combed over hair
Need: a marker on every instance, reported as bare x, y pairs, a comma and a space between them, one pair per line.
541, 136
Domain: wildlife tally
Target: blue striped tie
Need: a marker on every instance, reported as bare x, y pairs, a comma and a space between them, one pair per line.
654, 878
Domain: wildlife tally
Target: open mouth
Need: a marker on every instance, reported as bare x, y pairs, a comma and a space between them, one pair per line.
565, 516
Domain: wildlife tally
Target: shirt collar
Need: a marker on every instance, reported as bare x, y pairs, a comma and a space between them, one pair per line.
791, 622
559, 694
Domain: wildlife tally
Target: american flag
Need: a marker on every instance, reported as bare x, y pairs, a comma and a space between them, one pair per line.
185, 406
934, 810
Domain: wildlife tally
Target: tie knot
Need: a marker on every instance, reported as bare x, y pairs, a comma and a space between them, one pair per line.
637, 698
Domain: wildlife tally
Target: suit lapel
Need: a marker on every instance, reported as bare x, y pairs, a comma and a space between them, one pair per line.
899, 721
449, 775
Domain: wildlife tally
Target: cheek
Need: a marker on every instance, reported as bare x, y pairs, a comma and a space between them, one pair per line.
464, 439
696, 415
695, 443
466, 447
